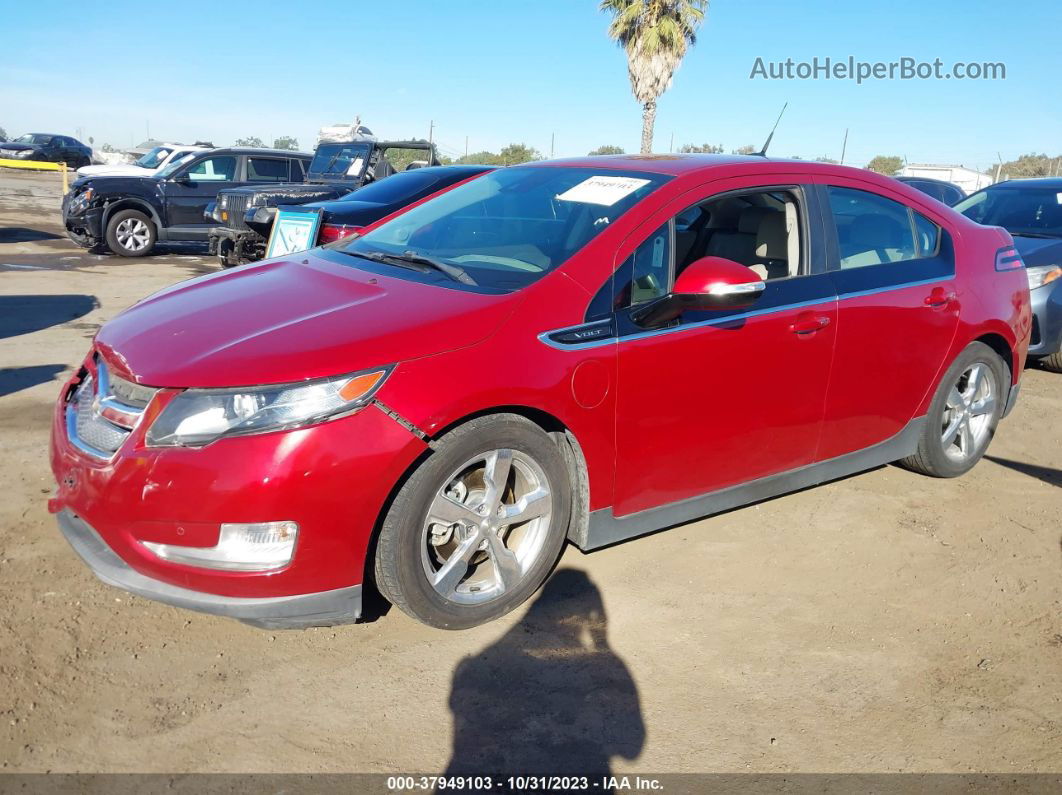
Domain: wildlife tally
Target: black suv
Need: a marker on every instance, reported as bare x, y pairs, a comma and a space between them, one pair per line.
49, 148
245, 215
129, 214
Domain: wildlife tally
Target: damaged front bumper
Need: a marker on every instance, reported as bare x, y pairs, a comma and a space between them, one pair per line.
85, 228
236, 246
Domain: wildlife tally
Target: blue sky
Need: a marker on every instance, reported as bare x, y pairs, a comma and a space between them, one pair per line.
511, 70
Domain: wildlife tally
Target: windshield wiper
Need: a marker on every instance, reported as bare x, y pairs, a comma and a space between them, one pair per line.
419, 262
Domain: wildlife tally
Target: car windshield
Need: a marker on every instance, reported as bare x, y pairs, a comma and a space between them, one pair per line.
1032, 212
174, 164
153, 158
33, 138
335, 159
509, 227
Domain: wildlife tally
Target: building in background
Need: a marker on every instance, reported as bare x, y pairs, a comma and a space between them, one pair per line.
966, 178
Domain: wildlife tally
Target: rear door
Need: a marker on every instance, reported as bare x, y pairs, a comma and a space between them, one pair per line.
192, 188
893, 266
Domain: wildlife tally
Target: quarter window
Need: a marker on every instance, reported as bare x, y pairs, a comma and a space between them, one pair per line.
649, 268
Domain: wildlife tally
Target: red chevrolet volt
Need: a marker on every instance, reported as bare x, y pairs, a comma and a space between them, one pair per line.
583, 350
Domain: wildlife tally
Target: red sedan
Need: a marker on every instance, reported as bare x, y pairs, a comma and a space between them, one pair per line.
582, 350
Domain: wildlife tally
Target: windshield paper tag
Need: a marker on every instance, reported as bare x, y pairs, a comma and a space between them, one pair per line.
602, 190
355, 167
1058, 197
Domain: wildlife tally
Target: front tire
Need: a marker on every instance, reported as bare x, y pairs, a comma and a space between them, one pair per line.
963, 415
478, 526
130, 233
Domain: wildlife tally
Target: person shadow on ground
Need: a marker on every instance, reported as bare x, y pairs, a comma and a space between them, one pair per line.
550, 697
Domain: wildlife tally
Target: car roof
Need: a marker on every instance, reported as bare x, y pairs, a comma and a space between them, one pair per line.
251, 150
1052, 183
677, 165
470, 168
906, 178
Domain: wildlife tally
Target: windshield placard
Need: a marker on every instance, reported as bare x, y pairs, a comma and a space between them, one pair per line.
602, 190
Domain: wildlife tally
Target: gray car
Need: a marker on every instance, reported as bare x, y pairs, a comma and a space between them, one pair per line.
1031, 210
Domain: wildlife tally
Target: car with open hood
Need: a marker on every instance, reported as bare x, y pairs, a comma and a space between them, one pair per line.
578, 351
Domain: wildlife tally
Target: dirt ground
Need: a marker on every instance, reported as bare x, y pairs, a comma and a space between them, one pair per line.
884, 622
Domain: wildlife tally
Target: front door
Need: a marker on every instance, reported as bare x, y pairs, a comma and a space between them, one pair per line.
723, 397
894, 271
192, 188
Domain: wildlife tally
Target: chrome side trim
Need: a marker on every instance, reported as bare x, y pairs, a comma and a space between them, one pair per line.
605, 528
544, 337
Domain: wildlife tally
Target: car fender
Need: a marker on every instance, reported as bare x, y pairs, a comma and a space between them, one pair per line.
129, 203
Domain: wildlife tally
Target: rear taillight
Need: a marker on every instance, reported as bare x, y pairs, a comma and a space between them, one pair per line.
330, 233
1008, 259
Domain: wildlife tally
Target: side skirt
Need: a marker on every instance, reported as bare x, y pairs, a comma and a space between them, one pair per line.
605, 529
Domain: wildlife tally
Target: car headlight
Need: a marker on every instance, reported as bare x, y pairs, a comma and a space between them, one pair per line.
81, 200
197, 417
1039, 275
24, 153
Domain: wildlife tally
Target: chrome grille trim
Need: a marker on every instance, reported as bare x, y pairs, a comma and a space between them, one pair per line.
99, 436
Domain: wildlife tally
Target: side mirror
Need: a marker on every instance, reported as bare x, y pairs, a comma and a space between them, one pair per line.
707, 283
183, 179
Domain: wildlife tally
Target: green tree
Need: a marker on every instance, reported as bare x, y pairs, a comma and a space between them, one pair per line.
607, 149
709, 149
1030, 165
825, 159
252, 141
286, 142
656, 35
886, 164
107, 148
518, 153
3, 134
747, 149
484, 158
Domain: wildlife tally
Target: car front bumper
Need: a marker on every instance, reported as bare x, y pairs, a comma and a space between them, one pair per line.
339, 606
84, 228
1047, 319
333, 480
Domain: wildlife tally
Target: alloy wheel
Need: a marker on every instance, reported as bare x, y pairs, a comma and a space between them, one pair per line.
486, 527
968, 411
133, 234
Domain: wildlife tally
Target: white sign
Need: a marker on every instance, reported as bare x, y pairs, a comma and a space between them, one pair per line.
355, 167
602, 190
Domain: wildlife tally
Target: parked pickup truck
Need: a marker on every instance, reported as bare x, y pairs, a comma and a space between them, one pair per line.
245, 215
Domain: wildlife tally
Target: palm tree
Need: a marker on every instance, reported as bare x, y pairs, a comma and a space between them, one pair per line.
655, 35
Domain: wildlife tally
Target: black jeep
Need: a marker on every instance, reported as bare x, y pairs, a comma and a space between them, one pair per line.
245, 215
129, 214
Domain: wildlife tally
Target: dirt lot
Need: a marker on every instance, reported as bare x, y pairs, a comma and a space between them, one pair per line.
885, 622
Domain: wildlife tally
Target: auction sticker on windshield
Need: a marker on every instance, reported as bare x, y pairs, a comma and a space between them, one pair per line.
602, 190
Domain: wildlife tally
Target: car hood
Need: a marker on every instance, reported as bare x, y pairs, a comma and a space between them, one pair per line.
1039, 250
287, 320
12, 146
115, 171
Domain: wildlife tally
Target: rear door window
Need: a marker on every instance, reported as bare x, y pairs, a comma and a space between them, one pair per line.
267, 169
871, 230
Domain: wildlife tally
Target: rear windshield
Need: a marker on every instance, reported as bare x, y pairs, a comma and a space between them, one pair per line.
400, 187
1033, 212
340, 159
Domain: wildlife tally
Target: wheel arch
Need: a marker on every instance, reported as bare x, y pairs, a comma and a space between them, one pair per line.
130, 203
551, 425
998, 343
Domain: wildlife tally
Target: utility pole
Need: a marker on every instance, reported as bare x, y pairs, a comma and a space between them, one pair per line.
671, 146
466, 146
844, 146
552, 136
999, 166
431, 132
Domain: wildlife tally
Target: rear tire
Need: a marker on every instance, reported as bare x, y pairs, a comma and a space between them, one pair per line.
130, 233
963, 416
1052, 363
445, 555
